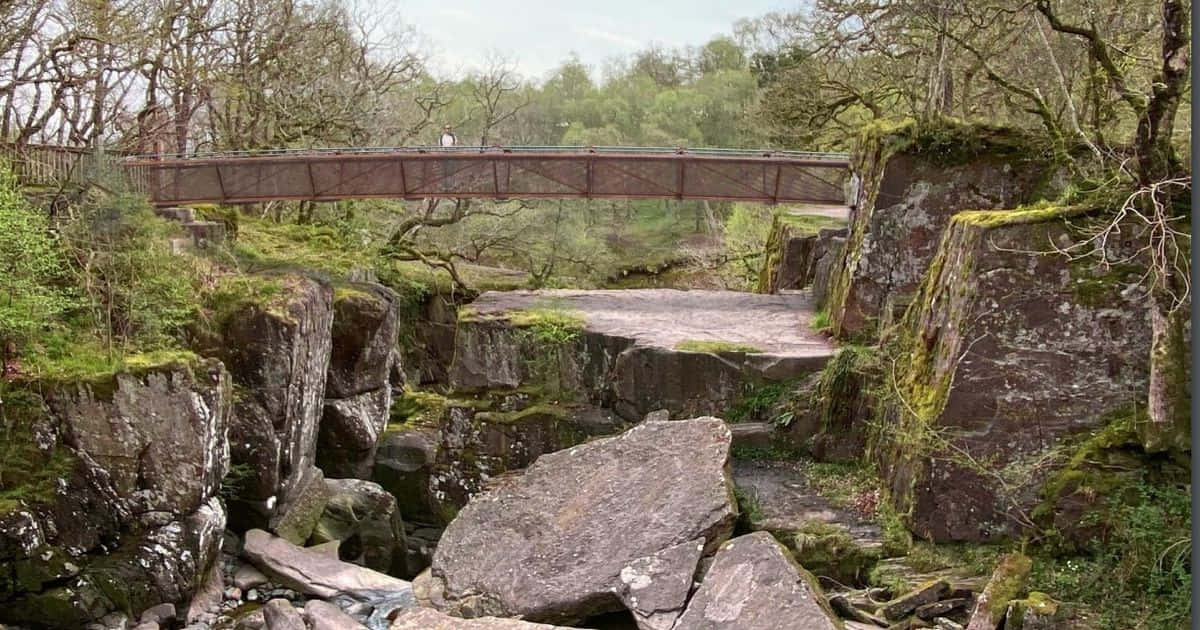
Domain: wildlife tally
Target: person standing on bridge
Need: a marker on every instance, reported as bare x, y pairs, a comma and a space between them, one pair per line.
447, 139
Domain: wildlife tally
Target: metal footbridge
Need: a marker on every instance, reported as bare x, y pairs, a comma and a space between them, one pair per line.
520, 172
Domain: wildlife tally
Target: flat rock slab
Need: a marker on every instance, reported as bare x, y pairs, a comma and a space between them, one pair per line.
429, 619
787, 500
754, 584
550, 544
778, 325
312, 572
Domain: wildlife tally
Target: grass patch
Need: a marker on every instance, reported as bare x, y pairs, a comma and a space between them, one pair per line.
758, 402
715, 347
552, 326
820, 321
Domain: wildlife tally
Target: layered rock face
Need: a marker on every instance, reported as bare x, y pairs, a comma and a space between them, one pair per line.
1009, 351
279, 355
557, 542
134, 519
636, 351
358, 394
907, 199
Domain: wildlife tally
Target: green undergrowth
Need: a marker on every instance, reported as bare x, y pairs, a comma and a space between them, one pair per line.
758, 403
820, 321
715, 346
28, 474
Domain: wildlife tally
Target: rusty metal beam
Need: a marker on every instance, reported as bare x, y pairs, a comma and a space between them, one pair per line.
612, 174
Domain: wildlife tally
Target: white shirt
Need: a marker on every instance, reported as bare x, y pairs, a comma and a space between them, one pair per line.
447, 139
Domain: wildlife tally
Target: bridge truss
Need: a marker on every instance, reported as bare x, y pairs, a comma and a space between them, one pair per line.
494, 172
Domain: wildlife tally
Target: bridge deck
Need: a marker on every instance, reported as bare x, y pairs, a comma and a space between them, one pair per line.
494, 172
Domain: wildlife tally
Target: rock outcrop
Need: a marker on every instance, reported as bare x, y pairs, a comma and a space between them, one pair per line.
112, 483
550, 544
636, 351
358, 394
1008, 351
914, 180
277, 348
754, 584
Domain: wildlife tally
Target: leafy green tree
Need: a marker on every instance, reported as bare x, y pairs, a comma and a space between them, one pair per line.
30, 269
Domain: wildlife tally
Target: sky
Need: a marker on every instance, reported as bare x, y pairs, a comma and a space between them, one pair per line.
539, 34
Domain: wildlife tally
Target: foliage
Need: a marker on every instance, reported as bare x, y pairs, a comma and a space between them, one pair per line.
31, 289
138, 295
1146, 551
758, 402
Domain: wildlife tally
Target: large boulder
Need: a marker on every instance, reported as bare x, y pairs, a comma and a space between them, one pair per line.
363, 517
101, 508
914, 179
277, 347
366, 323
550, 544
1008, 353
754, 584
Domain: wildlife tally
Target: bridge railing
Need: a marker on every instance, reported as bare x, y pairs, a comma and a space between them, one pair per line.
48, 165
539, 149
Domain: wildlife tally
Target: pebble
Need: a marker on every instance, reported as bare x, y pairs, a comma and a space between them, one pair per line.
233, 593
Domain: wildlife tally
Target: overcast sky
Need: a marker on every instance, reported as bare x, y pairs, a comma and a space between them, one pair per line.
540, 34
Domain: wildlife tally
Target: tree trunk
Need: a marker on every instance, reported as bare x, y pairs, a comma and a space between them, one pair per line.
1170, 399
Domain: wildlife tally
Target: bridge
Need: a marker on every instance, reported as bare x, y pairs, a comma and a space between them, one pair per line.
494, 173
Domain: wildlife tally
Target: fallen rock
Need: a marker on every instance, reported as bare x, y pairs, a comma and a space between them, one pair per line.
846, 610
1036, 612
325, 616
404, 461
206, 603
247, 577
281, 615
550, 544
295, 520
754, 584
313, 573
363, 516
1008, 580
428, 619
162, 614
942, 608
906, 604
655, 588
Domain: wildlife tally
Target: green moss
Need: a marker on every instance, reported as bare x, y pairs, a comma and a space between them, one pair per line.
1007, 583
533, 413
951, 142
715, 346
29, 474
549, 325
829, 550
749, 511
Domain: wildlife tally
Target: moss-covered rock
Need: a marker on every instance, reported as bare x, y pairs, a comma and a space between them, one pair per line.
1007, 583
996, 366
795, 245
915, 177
275, 338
